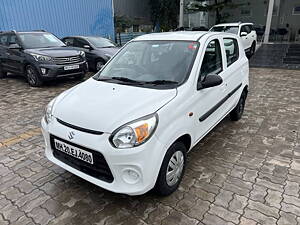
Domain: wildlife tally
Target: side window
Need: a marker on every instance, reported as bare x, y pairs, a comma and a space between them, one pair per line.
12, 39
4, 39
246, 29
212, 60
231, 49
78, 42
69, 41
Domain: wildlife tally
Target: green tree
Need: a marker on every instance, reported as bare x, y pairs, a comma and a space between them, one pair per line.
212, 6
165, 13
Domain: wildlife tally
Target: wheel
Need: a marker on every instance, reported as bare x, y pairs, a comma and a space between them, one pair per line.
238, 111
172, 170
33, 77
3, 74
252, 50
99, 64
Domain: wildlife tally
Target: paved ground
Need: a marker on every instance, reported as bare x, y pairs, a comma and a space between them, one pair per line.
246, 172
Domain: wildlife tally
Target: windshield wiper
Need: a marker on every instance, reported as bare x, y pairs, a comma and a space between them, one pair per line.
161, 82
124, 79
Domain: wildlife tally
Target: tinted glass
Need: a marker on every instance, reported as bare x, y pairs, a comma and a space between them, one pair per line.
40, 40
228, 29
4, 39
231, 49
150, 61
12, 39
99, 42
69, 41
212, 60
80, 43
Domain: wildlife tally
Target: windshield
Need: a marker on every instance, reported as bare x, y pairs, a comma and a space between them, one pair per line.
152, 63
228, 29
99, 42
40, 40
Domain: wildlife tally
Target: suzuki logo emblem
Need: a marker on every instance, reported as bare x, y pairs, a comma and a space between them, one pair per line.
71, 135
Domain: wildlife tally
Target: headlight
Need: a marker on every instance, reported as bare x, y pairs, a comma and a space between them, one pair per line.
108, 56
48, 111
42, 58
134, 133
82, 53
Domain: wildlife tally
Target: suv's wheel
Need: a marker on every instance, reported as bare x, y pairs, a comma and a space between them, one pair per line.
252, 49
99, 64
3, 74
33, 77
238, 111
172, 170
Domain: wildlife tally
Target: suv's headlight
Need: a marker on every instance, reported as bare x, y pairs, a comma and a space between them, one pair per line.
48, 111
42, 58
134, 133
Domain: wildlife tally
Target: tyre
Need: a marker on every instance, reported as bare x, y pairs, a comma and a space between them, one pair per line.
3, 74
172, 170
99, 64
237, 113
33, 77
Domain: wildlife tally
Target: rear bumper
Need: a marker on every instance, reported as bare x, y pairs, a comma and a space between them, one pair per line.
53, 71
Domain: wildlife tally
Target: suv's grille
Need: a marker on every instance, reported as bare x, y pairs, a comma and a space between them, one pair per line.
99, 169
67, 60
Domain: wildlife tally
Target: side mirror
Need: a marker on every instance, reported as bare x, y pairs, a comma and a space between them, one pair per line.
210, 81
87, 47
243, 34
14, 46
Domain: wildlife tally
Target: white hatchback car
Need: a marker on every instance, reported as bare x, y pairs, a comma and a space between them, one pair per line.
244, 30
128, 128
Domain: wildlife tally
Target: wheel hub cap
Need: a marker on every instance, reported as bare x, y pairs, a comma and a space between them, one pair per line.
175, 167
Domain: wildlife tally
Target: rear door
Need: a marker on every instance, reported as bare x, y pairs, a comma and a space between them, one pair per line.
233, 76
246, 40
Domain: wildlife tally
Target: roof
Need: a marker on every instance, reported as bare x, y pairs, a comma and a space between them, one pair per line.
173, 36
232, 24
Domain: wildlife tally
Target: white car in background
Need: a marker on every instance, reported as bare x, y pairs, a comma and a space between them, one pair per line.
244, 30
128, 128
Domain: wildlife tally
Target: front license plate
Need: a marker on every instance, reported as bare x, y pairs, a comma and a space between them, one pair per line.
72, 67
74, 151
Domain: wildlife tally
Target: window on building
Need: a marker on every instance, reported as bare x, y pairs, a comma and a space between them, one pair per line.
245, 12
296, 10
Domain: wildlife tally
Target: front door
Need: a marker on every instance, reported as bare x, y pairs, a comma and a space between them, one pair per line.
208, 105
15, 56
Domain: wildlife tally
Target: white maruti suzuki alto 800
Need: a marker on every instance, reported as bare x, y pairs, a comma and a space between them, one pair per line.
129, 127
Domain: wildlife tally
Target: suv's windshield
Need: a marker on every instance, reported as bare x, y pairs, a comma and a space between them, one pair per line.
40, 40
99, 42
228, 29
153, 63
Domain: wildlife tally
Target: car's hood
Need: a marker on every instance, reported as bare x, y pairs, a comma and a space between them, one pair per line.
108, 51
103, 106
55, 52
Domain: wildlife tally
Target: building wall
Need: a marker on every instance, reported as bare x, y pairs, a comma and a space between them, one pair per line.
61, 17
133, 8
282, 14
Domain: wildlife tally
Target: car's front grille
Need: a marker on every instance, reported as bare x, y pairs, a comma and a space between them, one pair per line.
99, 169
67, 60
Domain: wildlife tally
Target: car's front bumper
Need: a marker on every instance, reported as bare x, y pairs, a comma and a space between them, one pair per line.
52, 71
144, 160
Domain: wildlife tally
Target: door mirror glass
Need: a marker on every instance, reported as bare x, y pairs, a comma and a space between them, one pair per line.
14, 46
210, 80
87, 47
243, 34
